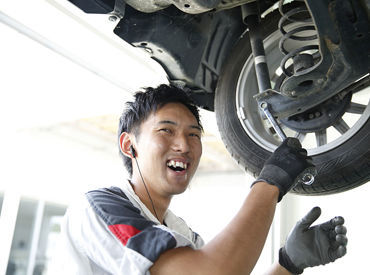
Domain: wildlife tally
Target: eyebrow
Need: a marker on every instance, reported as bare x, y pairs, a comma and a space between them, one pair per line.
174, 123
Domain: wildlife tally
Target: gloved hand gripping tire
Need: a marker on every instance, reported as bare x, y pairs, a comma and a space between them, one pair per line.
309, 246
285, 165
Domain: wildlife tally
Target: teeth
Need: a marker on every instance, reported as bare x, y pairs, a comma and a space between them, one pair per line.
177, 164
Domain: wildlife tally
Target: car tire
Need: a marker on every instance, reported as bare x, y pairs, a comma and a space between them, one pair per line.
341, 166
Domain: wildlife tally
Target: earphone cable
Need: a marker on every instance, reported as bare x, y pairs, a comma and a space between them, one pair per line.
146, 188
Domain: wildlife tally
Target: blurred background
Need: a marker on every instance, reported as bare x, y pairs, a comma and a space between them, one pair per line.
60, 103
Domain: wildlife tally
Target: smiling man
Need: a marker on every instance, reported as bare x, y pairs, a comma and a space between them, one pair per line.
130, 230
171, 140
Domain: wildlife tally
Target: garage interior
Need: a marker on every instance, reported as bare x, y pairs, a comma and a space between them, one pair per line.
60, 107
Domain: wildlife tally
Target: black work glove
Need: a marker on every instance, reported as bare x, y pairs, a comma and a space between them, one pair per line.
286, 165
312, 246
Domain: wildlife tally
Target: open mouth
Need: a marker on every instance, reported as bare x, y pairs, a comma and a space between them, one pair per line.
177, 166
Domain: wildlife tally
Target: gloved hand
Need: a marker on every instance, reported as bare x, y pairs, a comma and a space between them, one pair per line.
285, 165
312, 246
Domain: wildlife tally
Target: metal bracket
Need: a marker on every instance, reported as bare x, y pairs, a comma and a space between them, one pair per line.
118, 11
344, 36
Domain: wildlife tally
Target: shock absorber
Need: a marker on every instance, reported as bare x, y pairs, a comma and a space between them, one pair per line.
251, 17
302, 29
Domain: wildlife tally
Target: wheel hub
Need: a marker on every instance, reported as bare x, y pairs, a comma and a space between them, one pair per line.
320, 117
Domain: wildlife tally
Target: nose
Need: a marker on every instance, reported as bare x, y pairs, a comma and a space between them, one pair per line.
181, 143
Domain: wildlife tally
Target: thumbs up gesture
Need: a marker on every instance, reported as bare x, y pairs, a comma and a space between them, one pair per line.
309, 246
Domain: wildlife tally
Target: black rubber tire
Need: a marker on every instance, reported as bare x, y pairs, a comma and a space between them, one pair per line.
340, 169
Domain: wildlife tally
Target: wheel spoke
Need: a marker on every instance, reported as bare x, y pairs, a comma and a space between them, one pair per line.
341, 126
321, 137
300, 136
356, 108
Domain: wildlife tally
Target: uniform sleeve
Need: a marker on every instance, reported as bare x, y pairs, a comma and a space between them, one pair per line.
125, 241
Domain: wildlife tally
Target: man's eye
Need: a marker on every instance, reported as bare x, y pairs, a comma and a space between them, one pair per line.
165, 130
195, 135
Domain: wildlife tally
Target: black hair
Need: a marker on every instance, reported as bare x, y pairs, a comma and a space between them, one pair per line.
147, 102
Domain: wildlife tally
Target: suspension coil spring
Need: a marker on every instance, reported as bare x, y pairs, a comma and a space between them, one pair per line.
303, 57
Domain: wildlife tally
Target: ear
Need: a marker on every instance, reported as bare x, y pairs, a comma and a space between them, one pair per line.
125, 142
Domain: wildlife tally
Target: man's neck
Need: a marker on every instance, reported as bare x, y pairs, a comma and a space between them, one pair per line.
155, 203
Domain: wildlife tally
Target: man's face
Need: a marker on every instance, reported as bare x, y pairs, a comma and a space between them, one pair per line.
169, 149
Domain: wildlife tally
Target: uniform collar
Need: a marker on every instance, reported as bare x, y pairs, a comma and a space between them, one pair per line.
170, 219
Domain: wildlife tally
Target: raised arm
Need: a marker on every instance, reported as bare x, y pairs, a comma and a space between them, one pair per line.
236, 249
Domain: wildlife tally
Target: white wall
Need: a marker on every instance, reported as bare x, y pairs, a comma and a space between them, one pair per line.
353, 205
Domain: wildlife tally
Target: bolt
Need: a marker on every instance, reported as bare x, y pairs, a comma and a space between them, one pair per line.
112, 18
263, 105
320, 81
311, 116
317, 114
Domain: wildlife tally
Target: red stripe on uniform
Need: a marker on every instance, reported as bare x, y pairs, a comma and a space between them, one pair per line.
123, 232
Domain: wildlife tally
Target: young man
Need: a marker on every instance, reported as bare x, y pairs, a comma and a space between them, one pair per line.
130, 230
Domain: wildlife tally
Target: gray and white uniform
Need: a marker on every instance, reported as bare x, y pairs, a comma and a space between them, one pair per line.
113, 232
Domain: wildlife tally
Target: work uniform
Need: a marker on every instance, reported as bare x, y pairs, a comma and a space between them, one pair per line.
113, 232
